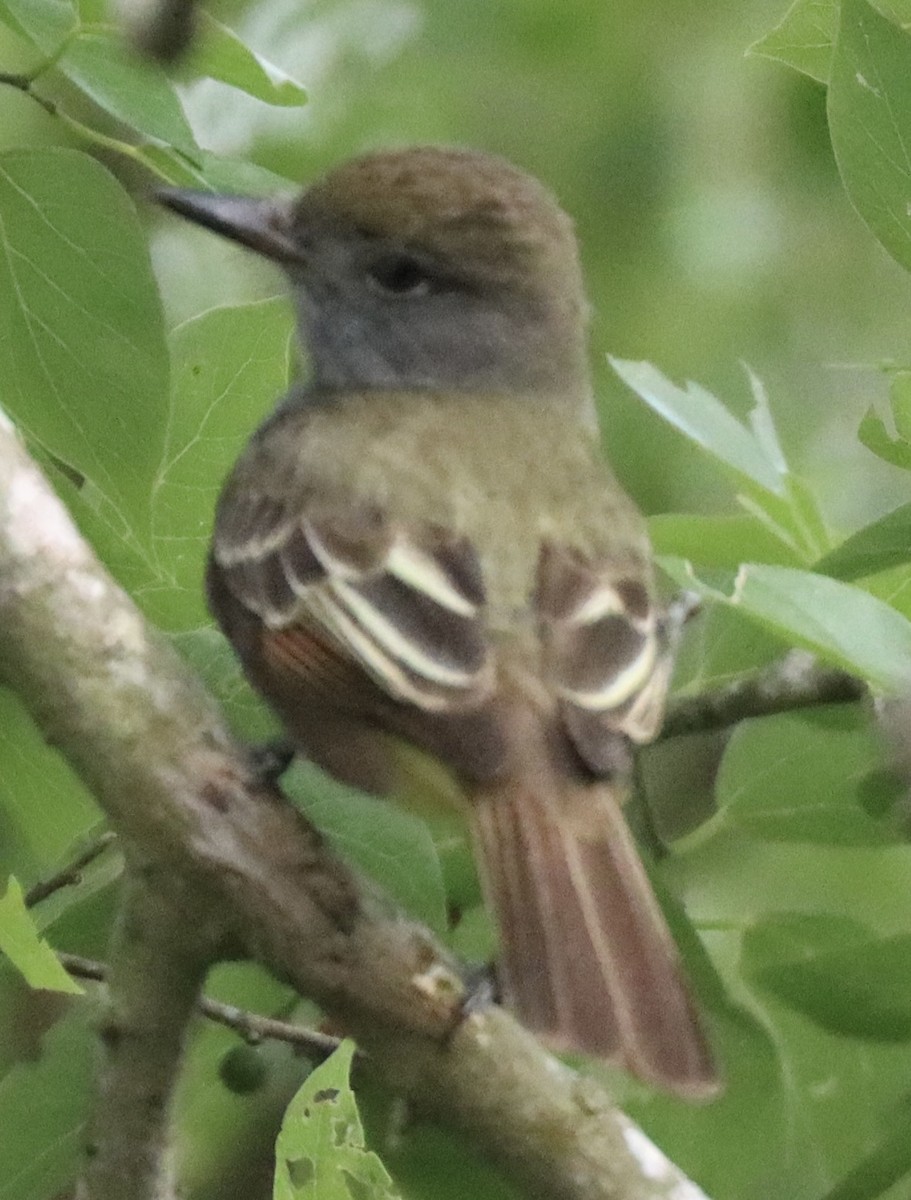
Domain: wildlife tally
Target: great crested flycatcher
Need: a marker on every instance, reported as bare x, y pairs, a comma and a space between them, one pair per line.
423, 545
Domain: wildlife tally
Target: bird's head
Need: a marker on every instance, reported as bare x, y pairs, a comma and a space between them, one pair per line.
429, 267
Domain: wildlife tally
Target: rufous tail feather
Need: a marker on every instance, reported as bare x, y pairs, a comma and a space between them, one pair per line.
586, 957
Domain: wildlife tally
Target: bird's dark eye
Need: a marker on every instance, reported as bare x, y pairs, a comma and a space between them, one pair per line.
400, 275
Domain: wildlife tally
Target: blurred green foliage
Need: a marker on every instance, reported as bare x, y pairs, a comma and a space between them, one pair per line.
718, 227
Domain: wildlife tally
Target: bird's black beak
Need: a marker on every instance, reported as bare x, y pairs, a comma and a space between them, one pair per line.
262, 224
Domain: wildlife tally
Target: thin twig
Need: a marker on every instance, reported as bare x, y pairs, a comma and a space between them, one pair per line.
70, 875
252, 1027
797, 681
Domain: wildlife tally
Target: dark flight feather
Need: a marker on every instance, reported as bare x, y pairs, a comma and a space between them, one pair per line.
408, 607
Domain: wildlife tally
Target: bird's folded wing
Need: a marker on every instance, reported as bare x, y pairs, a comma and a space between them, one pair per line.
605, 653
406, 605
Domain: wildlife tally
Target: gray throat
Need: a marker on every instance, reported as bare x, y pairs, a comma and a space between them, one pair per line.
444, 346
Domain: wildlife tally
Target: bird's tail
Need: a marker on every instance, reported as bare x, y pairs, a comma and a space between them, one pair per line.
586, 957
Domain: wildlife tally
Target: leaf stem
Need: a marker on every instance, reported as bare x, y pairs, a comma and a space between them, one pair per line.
24, 83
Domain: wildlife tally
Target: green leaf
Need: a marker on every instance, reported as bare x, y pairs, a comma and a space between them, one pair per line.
212, 657
320, 1152
762, 424
219, 53
96, 60
720, 646
841, 623
886, 1164
757, 789
44, 807
823, 1099
893, 586
837, 973
877, 547
44, 1106
47, 23
86, 369
827, 1093
29, 953
719, 541
873, 434
392, 845
805, 516
897, 11
751, 453
133, 91
229, 368
212, 171
702, 418
804, 37
870, 122
94, 12
900, 403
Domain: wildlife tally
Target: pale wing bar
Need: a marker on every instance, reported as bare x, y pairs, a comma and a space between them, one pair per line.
407, 606
605, 653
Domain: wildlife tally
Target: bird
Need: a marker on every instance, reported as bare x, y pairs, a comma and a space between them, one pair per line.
423, 553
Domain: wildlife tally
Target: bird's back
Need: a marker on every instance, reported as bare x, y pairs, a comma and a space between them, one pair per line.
508, 476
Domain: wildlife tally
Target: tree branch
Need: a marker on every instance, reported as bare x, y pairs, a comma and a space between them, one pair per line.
248, 873
153, 985
797, 681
